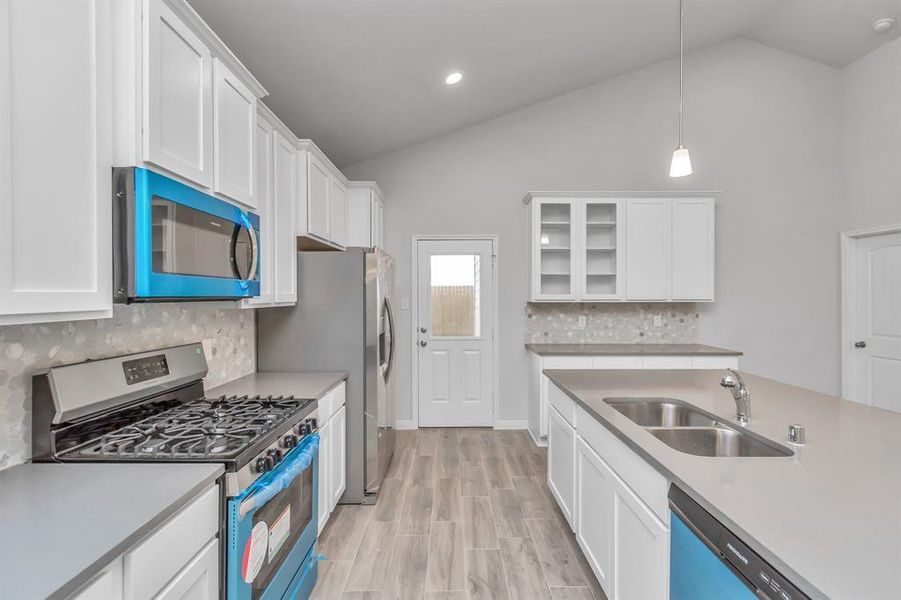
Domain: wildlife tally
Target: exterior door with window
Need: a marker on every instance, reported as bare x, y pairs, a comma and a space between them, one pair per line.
455, 333
875, 328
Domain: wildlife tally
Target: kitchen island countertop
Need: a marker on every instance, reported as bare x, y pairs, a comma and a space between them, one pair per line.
828, 517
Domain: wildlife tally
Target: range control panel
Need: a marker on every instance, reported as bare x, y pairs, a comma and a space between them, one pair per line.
143, 369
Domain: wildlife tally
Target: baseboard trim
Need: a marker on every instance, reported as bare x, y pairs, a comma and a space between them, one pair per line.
405, 425
511, 424
538, 442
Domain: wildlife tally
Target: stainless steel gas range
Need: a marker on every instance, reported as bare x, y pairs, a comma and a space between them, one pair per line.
150, 407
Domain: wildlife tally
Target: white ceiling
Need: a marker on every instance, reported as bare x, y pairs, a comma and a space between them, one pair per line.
362, 77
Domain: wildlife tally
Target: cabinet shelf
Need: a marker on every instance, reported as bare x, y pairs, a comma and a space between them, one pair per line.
602, 274
556, 223
545, 248
554, 274
600, 223
601, 248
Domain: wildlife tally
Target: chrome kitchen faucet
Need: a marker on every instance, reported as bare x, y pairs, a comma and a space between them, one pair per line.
733, 381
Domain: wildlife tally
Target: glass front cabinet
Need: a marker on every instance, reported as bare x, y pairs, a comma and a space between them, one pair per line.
576, 249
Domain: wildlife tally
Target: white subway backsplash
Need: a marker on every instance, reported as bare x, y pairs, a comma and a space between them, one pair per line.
228, 337
559, 323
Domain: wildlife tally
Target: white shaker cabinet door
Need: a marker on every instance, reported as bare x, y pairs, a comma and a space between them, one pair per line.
693, 248
337, 205
641, 548
106, 585
325, 456
234, 119
178, 81
338, 458
263, 197
648, 249
199, 580
561, 462
594, 503
55, 160
284, 204
318, 199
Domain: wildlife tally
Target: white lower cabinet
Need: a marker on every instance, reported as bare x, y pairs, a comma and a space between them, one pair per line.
594, 522
198, 580
595, 479
179, 560
332, 451
106, 585
561, 475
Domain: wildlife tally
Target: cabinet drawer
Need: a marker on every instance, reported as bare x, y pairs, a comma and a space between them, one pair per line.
714, 362
666, 362
566, 362
642, 478
339, 396
156, 560
325, 408
616, 362
563, 403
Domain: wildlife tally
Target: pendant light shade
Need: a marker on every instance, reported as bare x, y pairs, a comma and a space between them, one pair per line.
681, 163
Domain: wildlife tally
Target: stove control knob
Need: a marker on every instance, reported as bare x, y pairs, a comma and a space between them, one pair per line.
313, 424
305, 428
275, 454
265, 464
289, 441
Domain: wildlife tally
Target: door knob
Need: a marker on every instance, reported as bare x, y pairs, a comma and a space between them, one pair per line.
422, 330
423, 343
860, 344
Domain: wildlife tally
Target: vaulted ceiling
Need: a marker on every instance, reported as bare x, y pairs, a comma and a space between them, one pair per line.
363, 77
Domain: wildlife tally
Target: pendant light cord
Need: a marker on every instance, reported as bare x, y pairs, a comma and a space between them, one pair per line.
681, 61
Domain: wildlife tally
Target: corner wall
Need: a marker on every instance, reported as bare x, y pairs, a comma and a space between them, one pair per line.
762, 127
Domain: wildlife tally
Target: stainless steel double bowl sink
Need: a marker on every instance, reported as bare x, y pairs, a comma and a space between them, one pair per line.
689, 429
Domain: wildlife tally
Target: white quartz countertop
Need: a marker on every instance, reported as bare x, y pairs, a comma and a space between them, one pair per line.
61, 523
307, 385
828, 518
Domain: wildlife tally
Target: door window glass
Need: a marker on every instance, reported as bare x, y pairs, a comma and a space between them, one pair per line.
455, 295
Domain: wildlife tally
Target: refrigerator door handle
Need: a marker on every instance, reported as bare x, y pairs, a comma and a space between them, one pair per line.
389, 328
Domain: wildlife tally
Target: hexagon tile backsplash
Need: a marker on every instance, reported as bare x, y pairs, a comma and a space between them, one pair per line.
228, 338
632, 323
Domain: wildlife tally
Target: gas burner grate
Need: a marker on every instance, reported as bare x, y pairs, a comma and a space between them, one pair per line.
205, 428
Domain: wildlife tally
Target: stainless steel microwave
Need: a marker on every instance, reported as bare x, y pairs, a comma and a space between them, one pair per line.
174, 243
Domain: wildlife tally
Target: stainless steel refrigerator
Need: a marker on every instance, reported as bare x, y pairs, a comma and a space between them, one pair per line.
343, 321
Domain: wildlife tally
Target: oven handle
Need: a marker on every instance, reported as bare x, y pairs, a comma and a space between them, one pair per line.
280, 479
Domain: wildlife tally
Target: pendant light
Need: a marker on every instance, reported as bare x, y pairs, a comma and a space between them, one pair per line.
681, 164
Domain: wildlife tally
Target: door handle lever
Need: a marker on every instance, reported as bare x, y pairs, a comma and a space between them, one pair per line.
423, 343
860, 344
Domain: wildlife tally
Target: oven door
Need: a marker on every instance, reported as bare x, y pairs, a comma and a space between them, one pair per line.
272, 529
189, 245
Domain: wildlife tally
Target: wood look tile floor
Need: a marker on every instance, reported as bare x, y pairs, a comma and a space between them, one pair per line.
464, 514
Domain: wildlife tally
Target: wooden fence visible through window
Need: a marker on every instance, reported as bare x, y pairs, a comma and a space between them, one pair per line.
454, 310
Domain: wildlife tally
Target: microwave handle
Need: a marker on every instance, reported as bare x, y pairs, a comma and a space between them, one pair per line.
285, 473
255, 251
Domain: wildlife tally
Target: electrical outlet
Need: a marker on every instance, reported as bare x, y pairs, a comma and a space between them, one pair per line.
583, 321
405, 304
658, 320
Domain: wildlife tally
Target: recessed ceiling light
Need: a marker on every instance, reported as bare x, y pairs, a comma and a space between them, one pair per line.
454, 78
883, 25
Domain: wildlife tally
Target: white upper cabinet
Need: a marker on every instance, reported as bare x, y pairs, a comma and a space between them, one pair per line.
364, 215
318, 198
234, 118
56, 98
263, 152
322, 207
693, 249
337, 206
598, 248
648, 249
554, 235
285, 203
178, 105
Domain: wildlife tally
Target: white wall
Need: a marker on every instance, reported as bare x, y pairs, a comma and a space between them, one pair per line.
762, 126
871, 139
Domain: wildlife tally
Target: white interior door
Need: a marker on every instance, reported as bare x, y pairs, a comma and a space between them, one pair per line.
875, 328
455, 332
